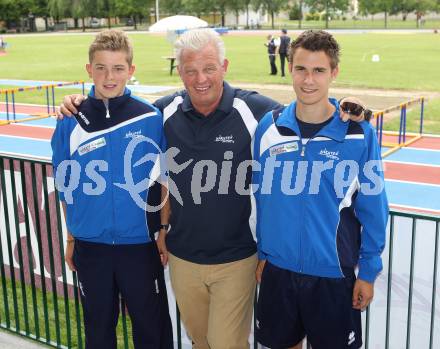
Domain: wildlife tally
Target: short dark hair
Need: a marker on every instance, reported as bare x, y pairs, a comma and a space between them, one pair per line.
317, 40
284, 31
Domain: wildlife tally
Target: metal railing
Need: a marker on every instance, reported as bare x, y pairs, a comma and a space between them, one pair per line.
40, 298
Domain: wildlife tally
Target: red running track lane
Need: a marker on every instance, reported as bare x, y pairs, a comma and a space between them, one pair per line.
412, 173
394, 138
27, 131
414, 209
427, 143
24, 109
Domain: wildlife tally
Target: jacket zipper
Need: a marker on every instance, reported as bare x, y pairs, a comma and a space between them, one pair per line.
107, 116
304, 200
301, 262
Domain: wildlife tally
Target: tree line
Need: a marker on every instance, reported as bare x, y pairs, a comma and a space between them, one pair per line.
12, 11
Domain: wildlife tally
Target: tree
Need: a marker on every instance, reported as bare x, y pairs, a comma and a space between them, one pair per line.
272, 7
134, 9
236, 6
197, 7
107, 10
419, 7
327, 6
296, 11
40, 9
11, 11
80, 9
369, 7
377, 6
247, 4
173, 7
58, 9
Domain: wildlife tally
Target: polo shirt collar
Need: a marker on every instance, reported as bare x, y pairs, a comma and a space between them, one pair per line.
225, 104
335, 129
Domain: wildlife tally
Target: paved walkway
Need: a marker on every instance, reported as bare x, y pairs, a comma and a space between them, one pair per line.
11, 341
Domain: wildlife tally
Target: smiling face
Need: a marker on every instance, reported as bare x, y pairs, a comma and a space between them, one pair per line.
110, 72
202, 74
312, 75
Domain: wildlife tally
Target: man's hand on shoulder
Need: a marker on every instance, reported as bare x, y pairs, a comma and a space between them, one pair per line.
69, 104
345, 116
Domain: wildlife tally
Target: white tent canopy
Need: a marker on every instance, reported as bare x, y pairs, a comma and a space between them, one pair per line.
177, 23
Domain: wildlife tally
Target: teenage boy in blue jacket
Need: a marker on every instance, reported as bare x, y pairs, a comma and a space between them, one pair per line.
321, 210
96, 155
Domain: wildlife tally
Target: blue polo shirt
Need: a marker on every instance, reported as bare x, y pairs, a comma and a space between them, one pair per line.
212, 220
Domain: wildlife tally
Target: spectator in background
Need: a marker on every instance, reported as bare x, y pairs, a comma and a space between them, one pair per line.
2, 44
272, 49
283, 49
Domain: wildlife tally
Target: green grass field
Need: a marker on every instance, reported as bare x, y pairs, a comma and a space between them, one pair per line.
407, 62
364, 23
62, 324
431, 120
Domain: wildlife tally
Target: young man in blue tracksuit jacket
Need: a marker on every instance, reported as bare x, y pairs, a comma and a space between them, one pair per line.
321, 210
100, 170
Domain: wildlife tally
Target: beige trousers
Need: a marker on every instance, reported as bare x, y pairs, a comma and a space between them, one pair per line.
215, 301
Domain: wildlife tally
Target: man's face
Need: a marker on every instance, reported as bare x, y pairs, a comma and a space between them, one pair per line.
203, 74
312, 76
110, 72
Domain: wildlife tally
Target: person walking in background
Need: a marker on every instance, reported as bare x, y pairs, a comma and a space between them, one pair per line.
283, 49
272, 48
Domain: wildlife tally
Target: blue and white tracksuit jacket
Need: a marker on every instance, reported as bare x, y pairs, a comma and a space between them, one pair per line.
321, 203
99, 165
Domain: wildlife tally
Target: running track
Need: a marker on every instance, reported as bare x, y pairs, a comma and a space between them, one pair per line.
412, 173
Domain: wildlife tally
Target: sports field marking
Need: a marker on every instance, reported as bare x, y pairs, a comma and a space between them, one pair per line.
47, 122
414, 208
24, 145
35, 132
420, 195
413, 183
386, 161
416, 156
25, 138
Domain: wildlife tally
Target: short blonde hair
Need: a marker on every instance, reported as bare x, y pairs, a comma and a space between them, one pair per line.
197, 39
112, 40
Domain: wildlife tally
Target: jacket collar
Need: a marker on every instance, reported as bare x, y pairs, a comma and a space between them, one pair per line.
225, 104
112, 102
336, 129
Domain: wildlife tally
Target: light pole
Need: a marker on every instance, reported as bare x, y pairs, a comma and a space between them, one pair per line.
326, 14
157, 10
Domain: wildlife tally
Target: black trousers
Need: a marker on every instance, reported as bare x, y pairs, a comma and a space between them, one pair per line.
135, 273
283, 58
273, 66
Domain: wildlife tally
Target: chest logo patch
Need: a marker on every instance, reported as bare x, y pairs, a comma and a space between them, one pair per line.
225, 139
133, 134
284, 148
86, 148
334, 155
